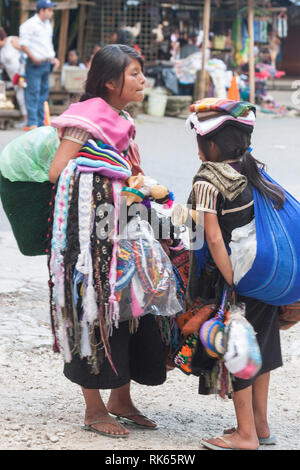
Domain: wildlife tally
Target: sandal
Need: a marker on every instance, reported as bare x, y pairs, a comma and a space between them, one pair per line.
129, 420
228, 443
263, 441
89, 427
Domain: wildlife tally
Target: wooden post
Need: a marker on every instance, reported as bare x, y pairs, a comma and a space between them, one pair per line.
63, 35
206, 23
251, 52
24, 11
81, 29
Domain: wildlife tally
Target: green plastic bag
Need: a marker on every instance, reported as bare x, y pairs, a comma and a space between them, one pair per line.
29, 156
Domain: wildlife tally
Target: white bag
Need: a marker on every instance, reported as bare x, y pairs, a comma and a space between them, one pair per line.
243, 248
242, 354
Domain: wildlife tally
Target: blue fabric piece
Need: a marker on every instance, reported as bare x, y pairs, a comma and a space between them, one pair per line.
77, 279
100, 164
112, 153
275, 275
102, 145
36, 92
201, 257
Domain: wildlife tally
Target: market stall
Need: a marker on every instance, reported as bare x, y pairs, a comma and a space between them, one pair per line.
192, 48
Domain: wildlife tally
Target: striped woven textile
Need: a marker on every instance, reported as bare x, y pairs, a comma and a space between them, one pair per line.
234, 108
102, 152
206, 196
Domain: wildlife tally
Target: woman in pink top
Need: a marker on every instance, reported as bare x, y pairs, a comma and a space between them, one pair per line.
95, 359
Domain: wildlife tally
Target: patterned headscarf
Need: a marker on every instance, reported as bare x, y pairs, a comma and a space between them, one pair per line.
209, 114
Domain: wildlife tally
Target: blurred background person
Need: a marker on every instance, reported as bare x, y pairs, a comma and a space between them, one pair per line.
11, 60
72, 61
274, 49
96, 48
36, 40
190, 46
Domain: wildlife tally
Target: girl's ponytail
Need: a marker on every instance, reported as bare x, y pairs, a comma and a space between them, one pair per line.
251, 168
234, 143
87, 96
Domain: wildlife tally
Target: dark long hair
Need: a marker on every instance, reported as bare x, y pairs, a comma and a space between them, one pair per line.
109, 63
3, 34
233, 143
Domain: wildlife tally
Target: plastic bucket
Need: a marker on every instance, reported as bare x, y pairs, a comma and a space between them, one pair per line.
157, 103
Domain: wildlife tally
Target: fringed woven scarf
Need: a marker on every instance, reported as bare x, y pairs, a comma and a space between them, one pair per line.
83, 300
84, 325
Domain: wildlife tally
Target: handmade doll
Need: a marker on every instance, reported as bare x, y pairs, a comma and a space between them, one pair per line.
141, 187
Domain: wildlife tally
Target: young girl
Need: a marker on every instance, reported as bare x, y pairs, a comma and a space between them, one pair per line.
222, 190
94, 359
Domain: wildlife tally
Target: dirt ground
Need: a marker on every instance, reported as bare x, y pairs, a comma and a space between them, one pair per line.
40, 409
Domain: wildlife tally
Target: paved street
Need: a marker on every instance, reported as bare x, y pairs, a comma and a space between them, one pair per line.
169, 151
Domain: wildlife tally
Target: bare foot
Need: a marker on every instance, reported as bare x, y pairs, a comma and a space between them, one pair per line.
131, 413
234, 441
104, 423
263, 432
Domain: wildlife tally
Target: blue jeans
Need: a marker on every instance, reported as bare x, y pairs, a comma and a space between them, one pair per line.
36, 92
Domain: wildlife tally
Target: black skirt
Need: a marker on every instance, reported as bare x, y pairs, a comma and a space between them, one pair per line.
140, 356
265, 321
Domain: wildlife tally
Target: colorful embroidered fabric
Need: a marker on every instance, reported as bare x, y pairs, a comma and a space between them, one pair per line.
183, 358
83, 274
234, 108
84, 326
59, 229
103, 159
208, 126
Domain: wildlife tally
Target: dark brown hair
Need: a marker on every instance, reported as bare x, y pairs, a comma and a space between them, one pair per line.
109, 63
3, 34
233, 143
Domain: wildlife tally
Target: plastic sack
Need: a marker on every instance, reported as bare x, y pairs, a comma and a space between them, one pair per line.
242, 356
143, 265
243, 248
29, 156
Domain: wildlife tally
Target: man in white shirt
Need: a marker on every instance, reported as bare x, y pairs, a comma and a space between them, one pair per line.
36, 41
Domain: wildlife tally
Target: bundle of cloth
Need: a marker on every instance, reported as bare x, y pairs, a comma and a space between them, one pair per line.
86, 243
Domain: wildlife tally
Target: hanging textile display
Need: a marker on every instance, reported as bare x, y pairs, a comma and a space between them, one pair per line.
240, 39
260, 31
281, 25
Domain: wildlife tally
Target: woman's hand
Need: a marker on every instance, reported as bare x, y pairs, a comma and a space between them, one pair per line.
65, 152
217, 246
